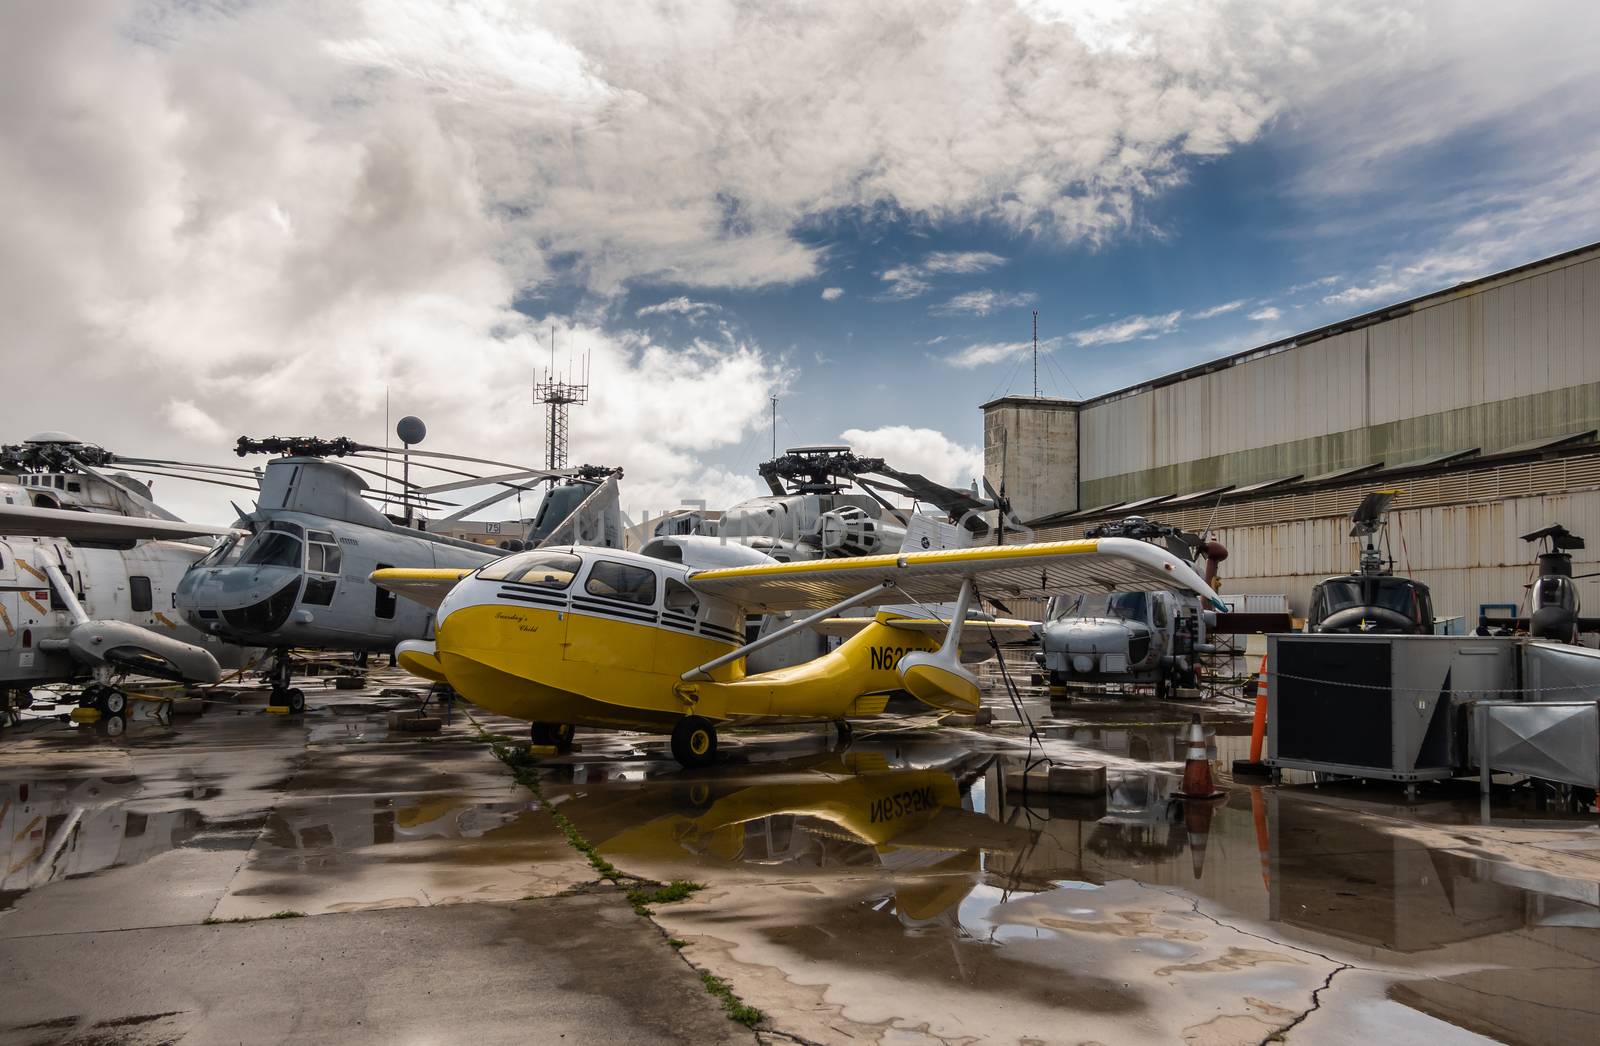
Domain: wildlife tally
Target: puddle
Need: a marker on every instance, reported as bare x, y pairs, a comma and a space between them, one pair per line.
902, 869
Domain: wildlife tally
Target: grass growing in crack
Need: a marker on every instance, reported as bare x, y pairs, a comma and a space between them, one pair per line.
285, 914
524, 768
736, 1009
676, 890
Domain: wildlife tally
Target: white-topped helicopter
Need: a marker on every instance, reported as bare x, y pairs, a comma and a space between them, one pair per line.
89, 568
653, 641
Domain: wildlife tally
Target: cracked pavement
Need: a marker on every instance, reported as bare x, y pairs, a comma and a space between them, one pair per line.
889, 890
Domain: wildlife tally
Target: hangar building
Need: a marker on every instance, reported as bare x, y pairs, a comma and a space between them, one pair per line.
1480, 403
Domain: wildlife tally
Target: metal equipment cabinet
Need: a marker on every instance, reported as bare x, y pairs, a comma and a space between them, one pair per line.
1378, 706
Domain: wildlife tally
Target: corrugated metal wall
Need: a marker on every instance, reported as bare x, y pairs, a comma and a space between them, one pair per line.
1535, 333
1467, 554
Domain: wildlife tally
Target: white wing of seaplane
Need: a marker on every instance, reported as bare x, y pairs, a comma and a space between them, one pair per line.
599, 637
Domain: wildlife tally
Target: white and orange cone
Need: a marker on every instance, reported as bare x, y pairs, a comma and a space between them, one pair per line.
1197, 782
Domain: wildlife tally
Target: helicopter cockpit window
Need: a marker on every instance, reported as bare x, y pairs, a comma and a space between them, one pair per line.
322, 552
278, 546
545, 569
1128, 606
227, 552
1340, 595
1396, 595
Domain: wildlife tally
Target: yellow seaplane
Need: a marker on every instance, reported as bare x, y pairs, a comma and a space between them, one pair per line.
655, 641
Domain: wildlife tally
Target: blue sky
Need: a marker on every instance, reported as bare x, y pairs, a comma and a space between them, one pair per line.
280, 217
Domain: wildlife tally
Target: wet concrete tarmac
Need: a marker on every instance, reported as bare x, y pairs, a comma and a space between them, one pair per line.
887, 890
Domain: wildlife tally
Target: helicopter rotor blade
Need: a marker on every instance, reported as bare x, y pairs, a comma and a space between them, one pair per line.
138, 498
493, 499
177, 475
440, 454
506, 477
196, 465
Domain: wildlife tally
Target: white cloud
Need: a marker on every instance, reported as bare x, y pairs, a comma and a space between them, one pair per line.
187, 419
928, 452
680, 306
1266, 314
983, 302
1127, 329
911, 278
832, 293
1219, 310
278, 212
985, 353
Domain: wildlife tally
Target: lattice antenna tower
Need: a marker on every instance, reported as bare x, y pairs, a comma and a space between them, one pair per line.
558, 392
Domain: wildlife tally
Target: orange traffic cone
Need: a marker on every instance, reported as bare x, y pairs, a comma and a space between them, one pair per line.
1258, 731
1197, 816
1197, 783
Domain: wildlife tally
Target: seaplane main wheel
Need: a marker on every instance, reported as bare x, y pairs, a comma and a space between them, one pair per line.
694, 741
558, 735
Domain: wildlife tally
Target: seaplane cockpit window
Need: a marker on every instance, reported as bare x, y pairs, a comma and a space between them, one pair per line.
681, 597
545, 569
279, 546
621, 581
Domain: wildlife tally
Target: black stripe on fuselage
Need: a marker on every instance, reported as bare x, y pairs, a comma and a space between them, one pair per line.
599, 609
541, 601
727, 635
533, 590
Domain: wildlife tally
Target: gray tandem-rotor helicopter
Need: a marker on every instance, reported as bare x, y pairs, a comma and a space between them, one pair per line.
300, 579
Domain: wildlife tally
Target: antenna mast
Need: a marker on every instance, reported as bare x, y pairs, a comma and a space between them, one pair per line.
774, 426
559, 393
1035, 356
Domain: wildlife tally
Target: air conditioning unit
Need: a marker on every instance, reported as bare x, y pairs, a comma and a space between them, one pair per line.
1379, 706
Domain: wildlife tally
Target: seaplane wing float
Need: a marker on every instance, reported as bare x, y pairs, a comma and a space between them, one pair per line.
654, 641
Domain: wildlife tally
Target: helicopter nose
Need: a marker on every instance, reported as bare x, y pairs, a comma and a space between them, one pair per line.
248, 599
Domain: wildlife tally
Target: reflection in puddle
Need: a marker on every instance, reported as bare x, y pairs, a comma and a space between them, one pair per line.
59, 829
932, 872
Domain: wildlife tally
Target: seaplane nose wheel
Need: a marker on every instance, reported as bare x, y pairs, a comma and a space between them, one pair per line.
694, 741
559, 735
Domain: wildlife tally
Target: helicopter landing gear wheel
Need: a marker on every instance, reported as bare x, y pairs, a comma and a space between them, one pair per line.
294, 699
694, 741
557, 735
111, 701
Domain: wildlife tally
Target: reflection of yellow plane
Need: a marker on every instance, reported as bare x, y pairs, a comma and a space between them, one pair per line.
599, 637
911, 822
